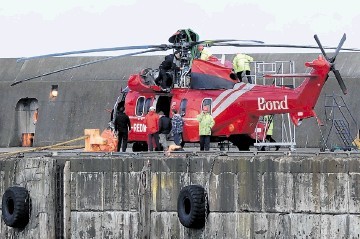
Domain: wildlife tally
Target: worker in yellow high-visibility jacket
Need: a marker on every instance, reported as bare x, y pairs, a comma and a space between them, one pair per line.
269, 121
204, 53
241, 63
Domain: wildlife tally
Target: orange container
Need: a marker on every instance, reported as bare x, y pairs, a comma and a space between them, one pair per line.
27, 139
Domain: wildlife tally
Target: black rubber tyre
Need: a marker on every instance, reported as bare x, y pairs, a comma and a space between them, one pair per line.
191, 206
144, 147
16, 207
182, 144
242, 141
139, 147
136, 147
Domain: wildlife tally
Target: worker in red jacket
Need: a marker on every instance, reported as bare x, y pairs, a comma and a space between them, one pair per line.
152, 128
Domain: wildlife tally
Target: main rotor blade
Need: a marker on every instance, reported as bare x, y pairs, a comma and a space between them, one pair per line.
162, 46
228, 40
282, 46
85, 64
340, 81
211, 42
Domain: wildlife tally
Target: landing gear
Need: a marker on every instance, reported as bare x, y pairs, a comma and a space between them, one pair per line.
223, 145
139, 147
182, 144
242, 141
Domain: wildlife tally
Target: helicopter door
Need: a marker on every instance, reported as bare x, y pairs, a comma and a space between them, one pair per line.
120, 102
163, 104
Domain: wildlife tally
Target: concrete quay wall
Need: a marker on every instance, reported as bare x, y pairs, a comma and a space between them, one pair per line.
135, 196
37, 176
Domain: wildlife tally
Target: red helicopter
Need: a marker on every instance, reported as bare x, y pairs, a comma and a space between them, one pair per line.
235, 106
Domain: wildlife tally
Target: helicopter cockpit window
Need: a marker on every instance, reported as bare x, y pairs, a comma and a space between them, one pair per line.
183, 104
147, 105
207, 102
140, 106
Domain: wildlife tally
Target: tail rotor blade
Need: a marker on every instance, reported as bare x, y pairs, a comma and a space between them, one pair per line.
340, 81
320, 46
332, 60
338, 48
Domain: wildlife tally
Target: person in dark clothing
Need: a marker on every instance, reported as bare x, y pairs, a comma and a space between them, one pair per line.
164, 129
177, 127
171, 63
122, 127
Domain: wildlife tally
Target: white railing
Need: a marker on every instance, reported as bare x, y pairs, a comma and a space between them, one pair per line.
260, 68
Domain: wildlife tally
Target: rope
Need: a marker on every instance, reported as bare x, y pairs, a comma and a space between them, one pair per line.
43, 147
68, 147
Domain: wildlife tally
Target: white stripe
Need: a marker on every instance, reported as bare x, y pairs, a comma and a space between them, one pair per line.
237, 85
189, 119
225, 93
231, 99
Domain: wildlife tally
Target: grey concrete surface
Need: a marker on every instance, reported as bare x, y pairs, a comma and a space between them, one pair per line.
37, 176
265, 195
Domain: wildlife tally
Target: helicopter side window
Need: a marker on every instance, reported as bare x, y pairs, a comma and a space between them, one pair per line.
183, 104
147, 105
140, 106
207, 102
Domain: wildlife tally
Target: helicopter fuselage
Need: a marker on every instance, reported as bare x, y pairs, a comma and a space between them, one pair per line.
236, 111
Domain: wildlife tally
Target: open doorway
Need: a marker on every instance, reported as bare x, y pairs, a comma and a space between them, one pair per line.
163, 104
26, 119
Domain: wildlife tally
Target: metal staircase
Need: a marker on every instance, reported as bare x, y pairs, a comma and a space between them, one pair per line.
343, 131
340, 118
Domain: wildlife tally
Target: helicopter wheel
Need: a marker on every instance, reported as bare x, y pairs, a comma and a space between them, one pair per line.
182, 144
243, 147
243, 142
139, 147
